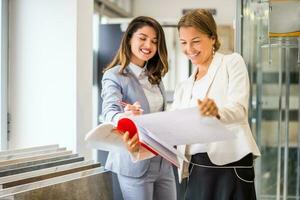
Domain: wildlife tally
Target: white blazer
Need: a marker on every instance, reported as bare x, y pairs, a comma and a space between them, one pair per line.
228, 86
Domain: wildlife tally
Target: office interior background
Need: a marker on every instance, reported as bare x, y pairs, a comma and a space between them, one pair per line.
53, 52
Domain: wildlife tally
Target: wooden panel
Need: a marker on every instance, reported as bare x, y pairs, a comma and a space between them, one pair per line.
34, 158
40, 172
49, 175
89, 184
32, 149
36, 165
31, 153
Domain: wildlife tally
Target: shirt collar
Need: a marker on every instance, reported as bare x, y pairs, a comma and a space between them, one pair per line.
215, 63
137, 71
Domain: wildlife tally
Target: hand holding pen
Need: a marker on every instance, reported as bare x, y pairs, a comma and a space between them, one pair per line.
132, 109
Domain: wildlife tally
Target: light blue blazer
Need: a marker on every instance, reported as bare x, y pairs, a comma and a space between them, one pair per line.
116, 87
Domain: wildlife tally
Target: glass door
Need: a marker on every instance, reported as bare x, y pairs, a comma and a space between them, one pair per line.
271, 50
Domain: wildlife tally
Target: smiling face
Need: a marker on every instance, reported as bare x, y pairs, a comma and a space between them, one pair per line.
197, 46
143, 45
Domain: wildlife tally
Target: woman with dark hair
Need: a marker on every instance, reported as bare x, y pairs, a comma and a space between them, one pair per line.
135, 77
219, 87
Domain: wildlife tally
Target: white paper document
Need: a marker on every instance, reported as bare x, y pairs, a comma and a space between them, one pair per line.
160, 131
161, 147
184, 126
104, 137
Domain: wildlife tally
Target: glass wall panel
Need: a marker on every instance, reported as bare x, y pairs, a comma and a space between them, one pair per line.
271, 50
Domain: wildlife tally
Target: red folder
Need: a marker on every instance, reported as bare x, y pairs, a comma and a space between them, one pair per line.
125, 124
105, 137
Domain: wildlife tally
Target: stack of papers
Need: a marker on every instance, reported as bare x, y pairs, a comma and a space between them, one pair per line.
184, 126
160, 131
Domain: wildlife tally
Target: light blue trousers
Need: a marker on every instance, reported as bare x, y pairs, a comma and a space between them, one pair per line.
158, 183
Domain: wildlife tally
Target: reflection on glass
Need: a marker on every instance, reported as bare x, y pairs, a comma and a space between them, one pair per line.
274, 111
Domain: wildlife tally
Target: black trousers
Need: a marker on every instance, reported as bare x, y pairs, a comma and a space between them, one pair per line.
206, 183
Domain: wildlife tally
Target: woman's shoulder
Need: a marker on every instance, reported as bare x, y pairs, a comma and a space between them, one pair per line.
233, 58
114, 70
234, 63
113, 73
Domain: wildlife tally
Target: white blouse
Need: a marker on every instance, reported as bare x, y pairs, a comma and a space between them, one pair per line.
152, 92
198, 92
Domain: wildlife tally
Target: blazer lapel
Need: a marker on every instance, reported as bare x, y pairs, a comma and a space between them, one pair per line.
142, 99
212, 70
188, 87
163, 93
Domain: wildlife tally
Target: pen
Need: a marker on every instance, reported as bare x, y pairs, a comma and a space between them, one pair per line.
124, 104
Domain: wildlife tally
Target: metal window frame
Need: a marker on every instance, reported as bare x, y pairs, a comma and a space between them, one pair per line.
111, 9
238, 26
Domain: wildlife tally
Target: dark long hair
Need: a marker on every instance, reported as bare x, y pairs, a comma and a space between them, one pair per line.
157, 66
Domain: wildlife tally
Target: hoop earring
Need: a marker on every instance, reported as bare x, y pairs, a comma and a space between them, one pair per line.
213, 51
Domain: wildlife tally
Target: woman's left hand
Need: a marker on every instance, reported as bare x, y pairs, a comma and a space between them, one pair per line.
208, 107
132, 144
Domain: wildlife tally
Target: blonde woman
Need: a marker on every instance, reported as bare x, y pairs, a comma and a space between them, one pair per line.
219, 87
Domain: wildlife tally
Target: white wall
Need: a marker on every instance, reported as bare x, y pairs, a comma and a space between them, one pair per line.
3, 73
84, 73
172, 9
50, 72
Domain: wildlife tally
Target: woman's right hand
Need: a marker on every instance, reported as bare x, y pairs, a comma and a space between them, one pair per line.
132, 144
133, 109
208, 107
